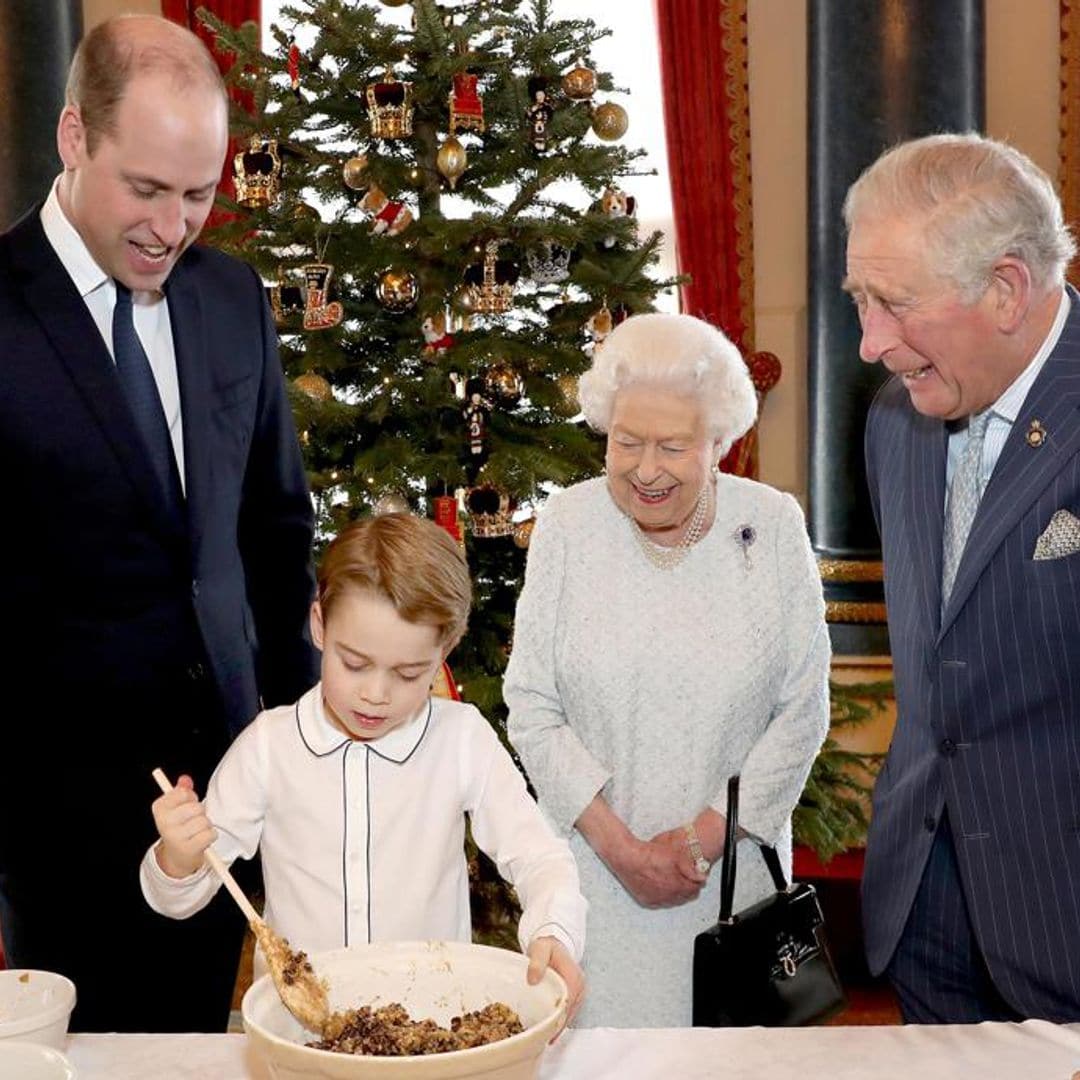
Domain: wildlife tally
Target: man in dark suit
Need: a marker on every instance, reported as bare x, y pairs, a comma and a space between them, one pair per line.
971, 893
156, 546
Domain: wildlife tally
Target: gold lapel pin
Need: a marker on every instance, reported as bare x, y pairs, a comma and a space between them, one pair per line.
1036, 434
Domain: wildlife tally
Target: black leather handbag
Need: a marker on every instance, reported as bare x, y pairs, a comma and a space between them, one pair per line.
769, 964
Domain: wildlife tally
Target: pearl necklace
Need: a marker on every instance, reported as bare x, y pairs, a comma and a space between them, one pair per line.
667, 558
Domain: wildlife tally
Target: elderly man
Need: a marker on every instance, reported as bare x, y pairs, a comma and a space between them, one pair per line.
956, 257
160, 580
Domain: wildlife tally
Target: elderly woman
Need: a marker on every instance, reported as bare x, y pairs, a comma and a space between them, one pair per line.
670, 634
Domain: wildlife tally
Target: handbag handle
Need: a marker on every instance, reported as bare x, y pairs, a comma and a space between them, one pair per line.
727, 879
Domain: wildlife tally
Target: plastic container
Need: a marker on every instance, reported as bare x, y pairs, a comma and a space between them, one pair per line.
35, 1006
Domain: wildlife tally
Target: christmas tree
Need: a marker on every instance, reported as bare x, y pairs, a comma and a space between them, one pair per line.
438, 208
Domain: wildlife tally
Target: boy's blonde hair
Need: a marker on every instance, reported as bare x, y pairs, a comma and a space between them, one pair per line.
410, 561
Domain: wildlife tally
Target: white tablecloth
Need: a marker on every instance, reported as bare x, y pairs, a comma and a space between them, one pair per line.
1033, 1050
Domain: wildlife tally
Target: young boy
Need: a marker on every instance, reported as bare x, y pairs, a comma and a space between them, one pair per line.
357, 794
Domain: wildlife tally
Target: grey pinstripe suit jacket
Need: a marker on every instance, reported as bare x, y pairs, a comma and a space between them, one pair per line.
988, 695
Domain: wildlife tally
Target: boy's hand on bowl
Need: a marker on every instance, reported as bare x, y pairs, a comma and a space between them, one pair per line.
184, 828
547, 952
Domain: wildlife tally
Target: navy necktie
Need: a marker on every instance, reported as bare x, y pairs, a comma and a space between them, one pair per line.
142, 396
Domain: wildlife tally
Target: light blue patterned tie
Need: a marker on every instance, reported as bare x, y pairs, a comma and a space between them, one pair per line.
141, 392
964, 495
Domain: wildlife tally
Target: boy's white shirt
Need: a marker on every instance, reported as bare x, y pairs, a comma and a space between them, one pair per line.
363, 841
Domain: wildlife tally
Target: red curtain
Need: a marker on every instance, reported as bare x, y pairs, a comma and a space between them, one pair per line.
233, 12
703, 52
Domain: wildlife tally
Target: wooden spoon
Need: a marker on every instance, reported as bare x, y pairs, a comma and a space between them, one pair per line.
301, 991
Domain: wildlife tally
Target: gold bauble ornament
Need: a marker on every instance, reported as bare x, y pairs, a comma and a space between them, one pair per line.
580, 83
393, 502
568, 404
451, 160
610, 121
523, 532
464, 299
503, 382
397, 290
354, 172
314, 385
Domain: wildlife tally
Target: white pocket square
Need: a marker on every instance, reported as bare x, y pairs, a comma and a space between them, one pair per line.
1060, 538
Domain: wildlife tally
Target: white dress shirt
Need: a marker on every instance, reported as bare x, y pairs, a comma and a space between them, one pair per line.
1006, 408
364, 841
151, 311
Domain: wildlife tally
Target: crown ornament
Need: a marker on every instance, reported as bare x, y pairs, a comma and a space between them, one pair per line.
492, 281
490, 513
548, 262
257, 173
390, 107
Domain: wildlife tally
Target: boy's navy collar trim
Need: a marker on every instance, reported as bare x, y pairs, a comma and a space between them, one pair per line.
322, 738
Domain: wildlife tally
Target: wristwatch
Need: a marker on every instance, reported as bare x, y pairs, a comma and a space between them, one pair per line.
701, 864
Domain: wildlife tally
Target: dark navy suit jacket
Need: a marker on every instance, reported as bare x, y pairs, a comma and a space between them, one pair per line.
988, 694
110, 603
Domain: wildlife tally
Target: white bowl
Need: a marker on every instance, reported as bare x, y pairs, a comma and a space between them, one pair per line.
32, 1061
432, 979
35, 1006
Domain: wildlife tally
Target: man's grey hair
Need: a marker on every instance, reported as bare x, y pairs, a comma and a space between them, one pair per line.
678, 353
979, 200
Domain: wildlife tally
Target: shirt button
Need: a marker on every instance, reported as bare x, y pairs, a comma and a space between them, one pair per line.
195, 588
948, 747
196, 672
929, 822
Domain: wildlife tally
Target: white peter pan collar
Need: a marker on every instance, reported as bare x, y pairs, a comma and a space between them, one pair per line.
322, 737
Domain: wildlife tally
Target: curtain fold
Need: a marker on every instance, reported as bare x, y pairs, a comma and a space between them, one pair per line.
233, 12
1069, 175
703, 69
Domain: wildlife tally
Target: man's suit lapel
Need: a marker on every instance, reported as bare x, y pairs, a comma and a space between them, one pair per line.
925, 514
192, 369
67, 323
1023, 472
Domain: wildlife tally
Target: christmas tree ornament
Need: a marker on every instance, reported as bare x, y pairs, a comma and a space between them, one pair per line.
599, 325
579, 84
286, 302
476, 412
567, 403
617, 205
388, 215
538, 115
294, 67
466, 106
503, 383
393, 502
445, 511
320, 313
390, 107
303, 211
493, 280
490, 512
523, 531
257, 173
610, 121
397, 290
437, 339
451, 160
464, 300
548, 262
354, 172
314, 385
